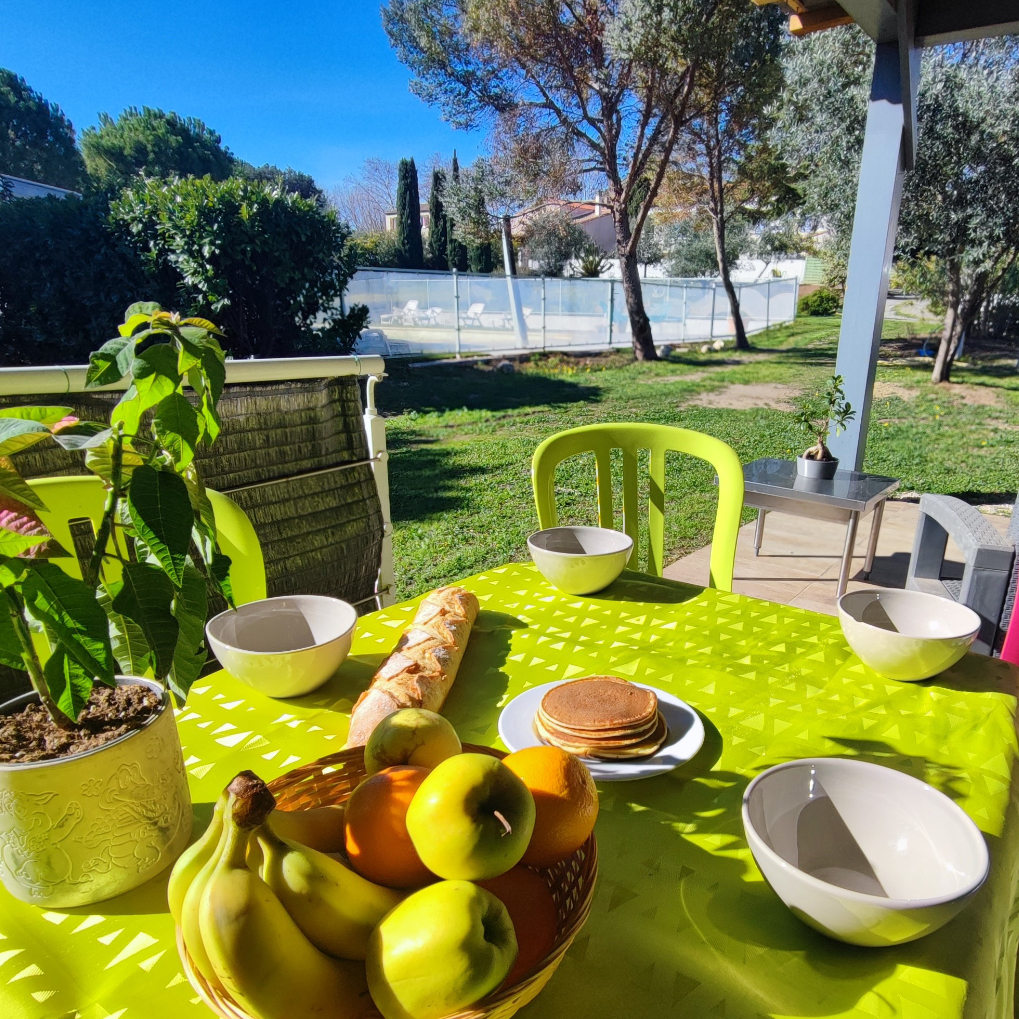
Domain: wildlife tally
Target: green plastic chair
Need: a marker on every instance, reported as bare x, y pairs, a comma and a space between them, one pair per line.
72, 498
658, 439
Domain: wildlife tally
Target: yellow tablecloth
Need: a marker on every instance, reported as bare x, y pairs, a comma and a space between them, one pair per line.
683, 924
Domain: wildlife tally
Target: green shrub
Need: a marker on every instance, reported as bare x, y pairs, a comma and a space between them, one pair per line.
64, 273
821, 302
266, 263
374, 249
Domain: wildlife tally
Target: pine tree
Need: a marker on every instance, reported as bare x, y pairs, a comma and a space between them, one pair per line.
408, 217
438, 224
456, 250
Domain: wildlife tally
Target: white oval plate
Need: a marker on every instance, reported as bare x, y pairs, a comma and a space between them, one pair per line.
686, 735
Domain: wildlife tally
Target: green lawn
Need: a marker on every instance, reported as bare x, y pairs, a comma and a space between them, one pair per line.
461, 437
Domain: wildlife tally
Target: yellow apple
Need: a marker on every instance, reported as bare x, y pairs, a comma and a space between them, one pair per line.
439, 951
471, 818
410, 736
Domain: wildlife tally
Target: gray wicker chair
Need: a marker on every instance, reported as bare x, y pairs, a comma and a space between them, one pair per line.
990, 564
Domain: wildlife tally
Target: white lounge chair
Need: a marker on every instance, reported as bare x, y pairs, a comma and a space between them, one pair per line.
472, 317
402, 316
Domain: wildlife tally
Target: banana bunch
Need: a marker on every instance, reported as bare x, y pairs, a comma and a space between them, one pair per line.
279, 926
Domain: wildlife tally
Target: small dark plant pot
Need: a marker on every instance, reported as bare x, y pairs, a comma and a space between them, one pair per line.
822, 470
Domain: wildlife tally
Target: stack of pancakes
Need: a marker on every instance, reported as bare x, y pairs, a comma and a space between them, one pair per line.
601, 717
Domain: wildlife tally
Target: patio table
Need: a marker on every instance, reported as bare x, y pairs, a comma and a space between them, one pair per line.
847, 498
682, 922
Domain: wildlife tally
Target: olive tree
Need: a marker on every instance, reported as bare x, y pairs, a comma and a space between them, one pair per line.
960, 208
609, 80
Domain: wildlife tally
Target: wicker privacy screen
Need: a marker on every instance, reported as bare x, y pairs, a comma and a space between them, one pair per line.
294, 456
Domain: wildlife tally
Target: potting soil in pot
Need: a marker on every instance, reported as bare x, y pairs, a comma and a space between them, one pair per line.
111, 712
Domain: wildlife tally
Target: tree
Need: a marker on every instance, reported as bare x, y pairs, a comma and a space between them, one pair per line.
36, 139
553, 240
738, 81
610, 81
438, 223
408, 217
363, 200
690, 247
960, 206
819, 131
481, 200
456, 251
291, 180
959, 233
264, 262
151, 143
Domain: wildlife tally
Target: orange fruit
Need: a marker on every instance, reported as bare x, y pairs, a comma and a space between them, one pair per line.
565, 802
375, 829
533, 911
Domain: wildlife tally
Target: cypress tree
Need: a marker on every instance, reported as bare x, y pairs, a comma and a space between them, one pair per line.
479, 256
456, 250
438, 224
408, 217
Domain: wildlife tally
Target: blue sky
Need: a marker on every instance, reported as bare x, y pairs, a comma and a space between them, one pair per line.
312, 84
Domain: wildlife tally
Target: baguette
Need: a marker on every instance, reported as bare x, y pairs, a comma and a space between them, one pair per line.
420, 671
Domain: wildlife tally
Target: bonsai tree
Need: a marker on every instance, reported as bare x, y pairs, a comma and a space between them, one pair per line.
142, 602
819, 413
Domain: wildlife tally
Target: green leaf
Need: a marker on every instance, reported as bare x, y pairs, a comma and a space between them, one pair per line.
146, 598
161, 514
17, 434
84, 440
176, 425
134, 657
12, 544
100, 461
132, 322
67, 607
69, 684
12, 571
104, 366
147, 308
13, 485
48, 416
219, 570
159, 359
10, 646
190, 607
215, 372
203, 323
141, 396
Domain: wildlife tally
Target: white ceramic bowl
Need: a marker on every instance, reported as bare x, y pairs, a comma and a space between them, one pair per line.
862, 853
580, 560
906, 635
284, 647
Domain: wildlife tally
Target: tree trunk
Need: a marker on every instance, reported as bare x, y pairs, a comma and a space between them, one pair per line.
718, 230
958, 318
640, 324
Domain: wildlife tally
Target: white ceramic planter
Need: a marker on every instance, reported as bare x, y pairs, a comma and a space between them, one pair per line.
816, 469
81, 829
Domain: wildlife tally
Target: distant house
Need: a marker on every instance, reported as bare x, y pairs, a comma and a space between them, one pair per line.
593, 216
425, 219
21, 188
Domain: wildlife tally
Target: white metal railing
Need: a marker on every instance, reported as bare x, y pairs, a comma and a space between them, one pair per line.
416, 312
65, 379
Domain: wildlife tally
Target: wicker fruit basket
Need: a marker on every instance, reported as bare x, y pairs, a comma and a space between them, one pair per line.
331, 780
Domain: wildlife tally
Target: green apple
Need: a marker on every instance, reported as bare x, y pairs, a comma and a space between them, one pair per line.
439, 951
471, 818
410, 736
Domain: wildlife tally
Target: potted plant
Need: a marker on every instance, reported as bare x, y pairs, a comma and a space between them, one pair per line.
818, 415
93, 794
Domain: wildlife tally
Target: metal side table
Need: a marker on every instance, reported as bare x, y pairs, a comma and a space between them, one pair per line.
846, 498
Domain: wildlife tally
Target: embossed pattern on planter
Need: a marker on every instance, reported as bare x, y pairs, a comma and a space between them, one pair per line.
87, 828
